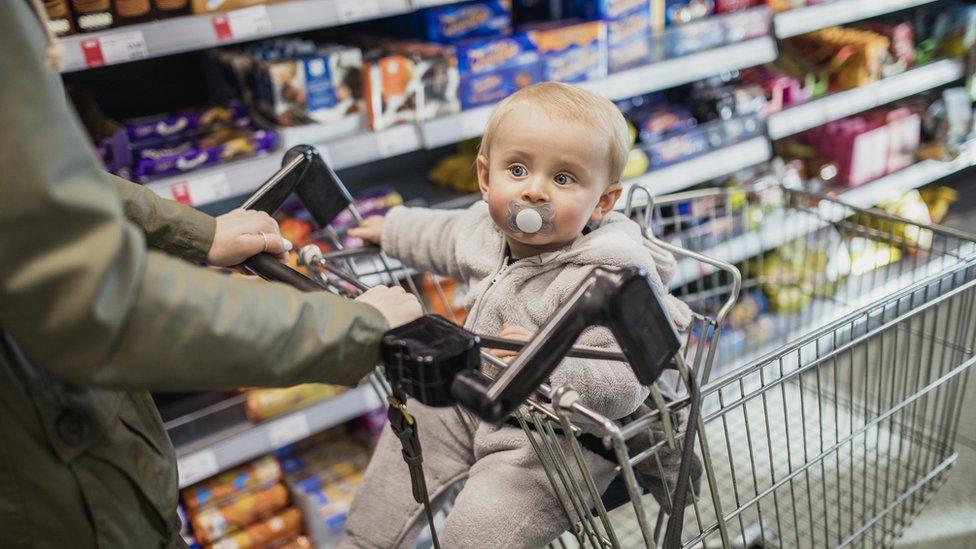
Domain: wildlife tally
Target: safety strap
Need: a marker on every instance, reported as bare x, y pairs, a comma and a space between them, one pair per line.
672, 537
405, 428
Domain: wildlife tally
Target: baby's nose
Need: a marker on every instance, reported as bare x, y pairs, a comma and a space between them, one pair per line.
535, 192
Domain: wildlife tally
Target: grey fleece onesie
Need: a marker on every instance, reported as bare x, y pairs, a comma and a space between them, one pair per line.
507, 500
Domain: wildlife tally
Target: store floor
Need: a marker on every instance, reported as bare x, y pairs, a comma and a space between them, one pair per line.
947, 521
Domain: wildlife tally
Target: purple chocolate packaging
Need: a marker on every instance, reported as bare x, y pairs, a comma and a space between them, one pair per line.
150, 163
162, 127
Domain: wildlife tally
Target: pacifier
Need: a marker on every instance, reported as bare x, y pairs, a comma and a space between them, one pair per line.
531, 219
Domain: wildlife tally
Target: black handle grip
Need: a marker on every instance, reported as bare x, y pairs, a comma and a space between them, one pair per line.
269, 268
321, 192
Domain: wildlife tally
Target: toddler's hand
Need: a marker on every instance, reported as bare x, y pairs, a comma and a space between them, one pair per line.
371, 229
511, 332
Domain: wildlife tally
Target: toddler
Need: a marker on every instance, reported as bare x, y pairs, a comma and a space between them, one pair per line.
548, 168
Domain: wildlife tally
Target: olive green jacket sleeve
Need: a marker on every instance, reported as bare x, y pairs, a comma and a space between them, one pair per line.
84, 298
168, 225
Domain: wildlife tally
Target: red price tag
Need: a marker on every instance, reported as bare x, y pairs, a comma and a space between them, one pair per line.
221, 27
181, 193
92, 51
117, 47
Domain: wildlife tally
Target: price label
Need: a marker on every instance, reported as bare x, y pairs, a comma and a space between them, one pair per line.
181, 193
397, 140
356, 10
114, 48
202, 190
287, 430
197, 466
242, 23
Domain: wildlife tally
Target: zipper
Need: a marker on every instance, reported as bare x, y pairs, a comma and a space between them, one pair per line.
476, 309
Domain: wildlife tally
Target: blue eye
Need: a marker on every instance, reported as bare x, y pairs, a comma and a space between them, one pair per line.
518, 171
563, 179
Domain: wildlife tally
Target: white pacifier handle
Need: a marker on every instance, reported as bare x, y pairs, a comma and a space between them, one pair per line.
528, 221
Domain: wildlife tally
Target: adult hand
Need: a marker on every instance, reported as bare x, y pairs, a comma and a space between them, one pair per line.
242, 234
371, 229
511, 332
394, 303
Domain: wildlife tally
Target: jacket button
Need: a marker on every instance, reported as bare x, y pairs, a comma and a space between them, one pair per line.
73, 427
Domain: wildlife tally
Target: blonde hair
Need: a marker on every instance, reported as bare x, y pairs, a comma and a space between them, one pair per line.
571, 103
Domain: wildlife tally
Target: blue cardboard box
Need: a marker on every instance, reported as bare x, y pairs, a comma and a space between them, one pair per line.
478, 90
572, 51
492, 69
606, 9
454, 23
629, 41
483, 56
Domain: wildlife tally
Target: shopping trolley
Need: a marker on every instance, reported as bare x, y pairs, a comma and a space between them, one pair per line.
832, 431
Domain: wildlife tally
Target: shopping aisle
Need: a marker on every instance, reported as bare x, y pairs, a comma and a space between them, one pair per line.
736, 110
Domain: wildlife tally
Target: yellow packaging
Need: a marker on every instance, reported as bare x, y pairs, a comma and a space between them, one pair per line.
266, 403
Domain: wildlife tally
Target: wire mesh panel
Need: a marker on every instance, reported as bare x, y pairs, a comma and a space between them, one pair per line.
834, 424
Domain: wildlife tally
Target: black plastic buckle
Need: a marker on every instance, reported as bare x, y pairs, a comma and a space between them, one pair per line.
424, 357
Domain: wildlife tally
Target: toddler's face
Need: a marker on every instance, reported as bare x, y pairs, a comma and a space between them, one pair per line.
538, 159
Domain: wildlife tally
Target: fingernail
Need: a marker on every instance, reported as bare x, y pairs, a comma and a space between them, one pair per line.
288, 244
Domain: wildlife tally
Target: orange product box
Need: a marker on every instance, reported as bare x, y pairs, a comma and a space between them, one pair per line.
226, 485
280, 528
216, 522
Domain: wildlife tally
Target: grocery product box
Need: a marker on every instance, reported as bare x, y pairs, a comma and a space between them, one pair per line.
679, 12
606, 9
629, 41
493, 69
322, 87
184, 156
409, 82
154, 128
572, 51
693, 37
457, 22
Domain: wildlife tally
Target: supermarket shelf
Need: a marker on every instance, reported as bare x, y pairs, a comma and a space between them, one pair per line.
194, 32
838, 105
646, 79
245, 176
702, 168
685, 69
811, 18
236, 444
218, 183
785, 226
242, 177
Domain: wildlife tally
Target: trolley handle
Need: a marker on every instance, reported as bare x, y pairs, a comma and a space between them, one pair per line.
305, 173
438, 364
